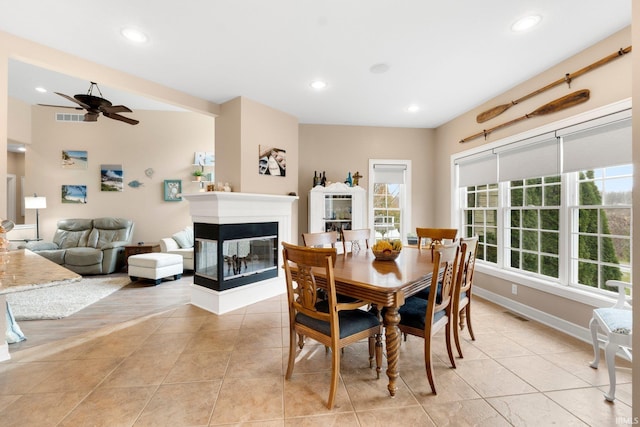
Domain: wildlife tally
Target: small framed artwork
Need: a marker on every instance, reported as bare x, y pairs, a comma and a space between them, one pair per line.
204, 158
74, 159
172, 190
272, 161
111, 177
76, 194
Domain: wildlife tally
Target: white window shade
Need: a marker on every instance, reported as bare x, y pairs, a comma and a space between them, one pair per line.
597, 146
388, 173
533, 157
478, 169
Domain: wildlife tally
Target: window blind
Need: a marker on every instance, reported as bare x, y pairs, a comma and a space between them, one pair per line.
597, 146
388, 173
478, 169
532, 157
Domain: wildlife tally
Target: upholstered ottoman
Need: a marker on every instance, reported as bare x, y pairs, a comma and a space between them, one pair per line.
155, 266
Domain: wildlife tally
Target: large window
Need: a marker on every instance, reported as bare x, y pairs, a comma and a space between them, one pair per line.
556, 207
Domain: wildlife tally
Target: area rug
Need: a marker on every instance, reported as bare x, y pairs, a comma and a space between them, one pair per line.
56, 302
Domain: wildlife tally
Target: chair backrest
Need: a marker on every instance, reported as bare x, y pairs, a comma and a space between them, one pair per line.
355, 237
322, 239
304, 296
436, 235
445, 266
622, 302
467, 264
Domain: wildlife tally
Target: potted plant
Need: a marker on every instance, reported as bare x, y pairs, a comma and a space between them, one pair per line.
198, 174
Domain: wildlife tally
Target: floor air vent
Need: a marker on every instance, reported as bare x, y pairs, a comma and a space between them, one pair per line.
67, 117
515, 316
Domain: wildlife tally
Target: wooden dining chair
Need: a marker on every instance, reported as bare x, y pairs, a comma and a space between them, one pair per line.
336, 325
355, 237
464, 283
425, 317
435, 235
321, 239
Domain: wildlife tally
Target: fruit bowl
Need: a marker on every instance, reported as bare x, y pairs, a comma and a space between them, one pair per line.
386, 255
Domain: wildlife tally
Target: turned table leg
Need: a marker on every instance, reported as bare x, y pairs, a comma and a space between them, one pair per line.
391, 320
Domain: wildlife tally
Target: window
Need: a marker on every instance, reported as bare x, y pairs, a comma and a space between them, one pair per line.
601, 226
389, 188
557, 206
532, 229
481, 219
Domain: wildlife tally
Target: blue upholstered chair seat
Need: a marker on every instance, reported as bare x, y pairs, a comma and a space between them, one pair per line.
413, 313
618, 320
424, 294
351, 321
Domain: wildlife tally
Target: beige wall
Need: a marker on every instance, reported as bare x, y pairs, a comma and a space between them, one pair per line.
164, 141
19, 127
339, 150
608, 84
12, 47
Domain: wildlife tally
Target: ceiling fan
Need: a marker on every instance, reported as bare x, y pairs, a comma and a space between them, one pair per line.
96, 105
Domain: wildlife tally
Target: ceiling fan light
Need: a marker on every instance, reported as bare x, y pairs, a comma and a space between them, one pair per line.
134, 35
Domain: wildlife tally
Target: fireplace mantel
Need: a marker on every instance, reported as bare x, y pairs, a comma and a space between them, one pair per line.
216, 207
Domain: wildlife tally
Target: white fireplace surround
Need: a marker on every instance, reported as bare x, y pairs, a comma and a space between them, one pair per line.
216, 207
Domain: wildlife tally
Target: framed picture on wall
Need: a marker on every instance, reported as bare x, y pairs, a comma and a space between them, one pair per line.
172, 190
76, 194
111, 177
74, 159
272, 161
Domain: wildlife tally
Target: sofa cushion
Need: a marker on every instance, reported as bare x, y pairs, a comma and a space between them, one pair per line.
182, 239
108, 230
55, 255
83, 256
72, 233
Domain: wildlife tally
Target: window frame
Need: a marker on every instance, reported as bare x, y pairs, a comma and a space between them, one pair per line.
561, 287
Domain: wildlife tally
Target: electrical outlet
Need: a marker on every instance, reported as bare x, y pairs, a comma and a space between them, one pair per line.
514, 289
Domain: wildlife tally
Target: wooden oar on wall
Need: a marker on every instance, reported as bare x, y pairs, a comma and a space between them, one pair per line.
497, 110
574, 98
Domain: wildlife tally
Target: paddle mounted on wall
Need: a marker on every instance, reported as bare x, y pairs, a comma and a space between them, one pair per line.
94, 105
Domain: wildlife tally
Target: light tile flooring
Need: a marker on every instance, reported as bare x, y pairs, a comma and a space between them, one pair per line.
143, 357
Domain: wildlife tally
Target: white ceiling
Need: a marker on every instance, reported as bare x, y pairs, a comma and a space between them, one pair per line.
447, 57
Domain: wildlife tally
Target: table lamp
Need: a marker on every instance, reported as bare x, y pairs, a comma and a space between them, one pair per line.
36, 203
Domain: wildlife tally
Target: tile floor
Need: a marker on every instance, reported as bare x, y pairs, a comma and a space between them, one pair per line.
143, 357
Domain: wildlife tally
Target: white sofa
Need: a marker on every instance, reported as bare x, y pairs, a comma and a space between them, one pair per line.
181, 243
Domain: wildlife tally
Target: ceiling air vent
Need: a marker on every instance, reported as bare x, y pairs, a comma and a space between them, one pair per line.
67, 117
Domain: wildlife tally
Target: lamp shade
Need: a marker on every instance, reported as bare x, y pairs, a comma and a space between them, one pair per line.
35, 202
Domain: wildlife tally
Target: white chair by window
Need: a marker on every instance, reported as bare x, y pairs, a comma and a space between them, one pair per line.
616, 323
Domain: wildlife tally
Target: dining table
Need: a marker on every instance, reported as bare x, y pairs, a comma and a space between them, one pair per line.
385, 284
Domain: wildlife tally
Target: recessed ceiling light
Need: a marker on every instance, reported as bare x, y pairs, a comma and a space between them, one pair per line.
41, 89
318, 84
379, 68
134, 35
413, 108
526, 22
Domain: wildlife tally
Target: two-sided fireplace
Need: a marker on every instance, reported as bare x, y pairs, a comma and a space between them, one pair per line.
232, 255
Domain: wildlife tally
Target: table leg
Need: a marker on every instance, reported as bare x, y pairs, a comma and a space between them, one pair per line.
391, 320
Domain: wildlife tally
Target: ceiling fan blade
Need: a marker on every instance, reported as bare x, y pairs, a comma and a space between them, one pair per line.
116, 109
75, 101
61, 106
121, 118
91, 117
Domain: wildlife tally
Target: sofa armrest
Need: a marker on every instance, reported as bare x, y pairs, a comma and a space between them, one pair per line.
39, 246
168, 244
115, 245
